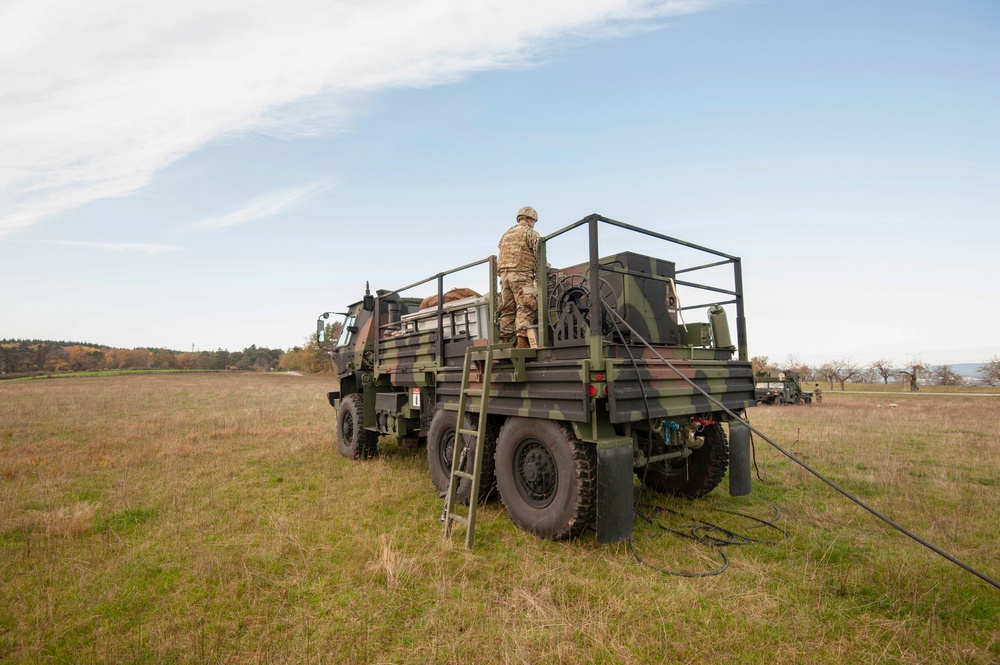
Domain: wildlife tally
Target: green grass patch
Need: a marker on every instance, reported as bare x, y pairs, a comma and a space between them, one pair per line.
126, 521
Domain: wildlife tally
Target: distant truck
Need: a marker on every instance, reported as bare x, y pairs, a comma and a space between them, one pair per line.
781, 389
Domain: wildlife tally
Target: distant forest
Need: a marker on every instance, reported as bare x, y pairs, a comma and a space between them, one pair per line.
33, 356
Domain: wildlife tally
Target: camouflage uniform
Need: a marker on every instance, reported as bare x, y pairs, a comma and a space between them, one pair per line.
517, 265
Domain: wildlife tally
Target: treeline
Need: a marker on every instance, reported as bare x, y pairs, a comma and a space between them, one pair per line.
44, 356
913, 372
34, 356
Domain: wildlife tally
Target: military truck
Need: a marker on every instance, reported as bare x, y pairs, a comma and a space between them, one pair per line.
616, 388
784, 388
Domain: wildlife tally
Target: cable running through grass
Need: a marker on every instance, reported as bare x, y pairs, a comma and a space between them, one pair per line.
803, 464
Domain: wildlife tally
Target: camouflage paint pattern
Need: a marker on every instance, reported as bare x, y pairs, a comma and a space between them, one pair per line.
555, 383
605, 382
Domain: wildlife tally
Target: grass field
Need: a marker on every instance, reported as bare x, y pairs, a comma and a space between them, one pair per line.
207, 518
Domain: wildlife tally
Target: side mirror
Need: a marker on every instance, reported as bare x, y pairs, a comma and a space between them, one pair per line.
320, 326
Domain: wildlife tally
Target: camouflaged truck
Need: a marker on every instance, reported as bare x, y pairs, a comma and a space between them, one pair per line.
618, 389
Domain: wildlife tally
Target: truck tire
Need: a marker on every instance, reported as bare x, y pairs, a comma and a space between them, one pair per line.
547, 478
698, 475
441, 447
353, 440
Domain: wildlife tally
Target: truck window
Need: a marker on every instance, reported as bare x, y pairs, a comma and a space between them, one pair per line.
345, 333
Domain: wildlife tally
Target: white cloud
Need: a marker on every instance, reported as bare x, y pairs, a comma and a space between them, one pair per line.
267, 205
96, 97
145, 247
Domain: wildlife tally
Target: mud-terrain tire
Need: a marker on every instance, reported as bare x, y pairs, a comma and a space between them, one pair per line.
441, 446
698, 475
353, 440
547, 478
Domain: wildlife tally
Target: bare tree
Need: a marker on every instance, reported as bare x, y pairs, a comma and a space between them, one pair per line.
843, 371
912, 372
943, 375
990, 372
794, 364
883, 368
828, 372
866, 375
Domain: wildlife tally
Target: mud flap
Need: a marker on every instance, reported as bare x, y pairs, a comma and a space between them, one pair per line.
739, 459
615, 511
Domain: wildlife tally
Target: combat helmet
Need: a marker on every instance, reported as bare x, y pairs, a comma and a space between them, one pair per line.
527, 211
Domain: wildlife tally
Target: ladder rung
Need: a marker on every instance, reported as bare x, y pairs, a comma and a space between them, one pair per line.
459, 518
469, 432
463, 474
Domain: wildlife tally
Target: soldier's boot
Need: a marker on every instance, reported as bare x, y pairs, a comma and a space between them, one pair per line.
522, 342
504, 338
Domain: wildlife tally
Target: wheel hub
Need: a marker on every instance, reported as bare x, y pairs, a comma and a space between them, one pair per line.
448, 450
535, 473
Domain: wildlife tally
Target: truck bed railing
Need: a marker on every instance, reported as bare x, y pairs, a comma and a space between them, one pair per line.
491, 299
595, 303
593, 223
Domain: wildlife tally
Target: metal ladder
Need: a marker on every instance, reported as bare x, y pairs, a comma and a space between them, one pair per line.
472, 354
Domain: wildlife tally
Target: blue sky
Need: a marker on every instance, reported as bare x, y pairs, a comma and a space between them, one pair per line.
211, 175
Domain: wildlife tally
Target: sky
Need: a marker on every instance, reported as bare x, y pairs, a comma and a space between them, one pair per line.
216, 174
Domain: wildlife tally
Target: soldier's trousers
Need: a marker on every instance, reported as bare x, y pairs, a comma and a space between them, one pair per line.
518, 303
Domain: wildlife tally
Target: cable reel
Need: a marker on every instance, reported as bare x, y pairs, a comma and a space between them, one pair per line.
569, 307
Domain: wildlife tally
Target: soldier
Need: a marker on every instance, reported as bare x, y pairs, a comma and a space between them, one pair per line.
517, 265
819, 394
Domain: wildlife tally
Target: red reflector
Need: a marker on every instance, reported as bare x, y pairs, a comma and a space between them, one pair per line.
598, 377
592, 390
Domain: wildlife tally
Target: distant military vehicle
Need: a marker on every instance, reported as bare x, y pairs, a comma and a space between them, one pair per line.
780, 389
616, 384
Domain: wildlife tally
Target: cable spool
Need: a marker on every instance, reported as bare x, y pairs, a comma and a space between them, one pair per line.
569, 302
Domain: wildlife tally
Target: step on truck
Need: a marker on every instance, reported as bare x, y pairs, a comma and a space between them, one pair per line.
616, 390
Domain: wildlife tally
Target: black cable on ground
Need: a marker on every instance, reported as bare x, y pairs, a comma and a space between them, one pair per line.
707, 533
964, 566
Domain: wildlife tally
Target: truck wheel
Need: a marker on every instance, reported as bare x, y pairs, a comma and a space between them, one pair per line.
779, 400
353, 440
547, 478
441, 448
698, 475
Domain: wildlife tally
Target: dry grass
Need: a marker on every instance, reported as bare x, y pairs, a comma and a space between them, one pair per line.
194, 518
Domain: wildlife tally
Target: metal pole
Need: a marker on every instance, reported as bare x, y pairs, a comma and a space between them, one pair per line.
741, 320
596, 307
